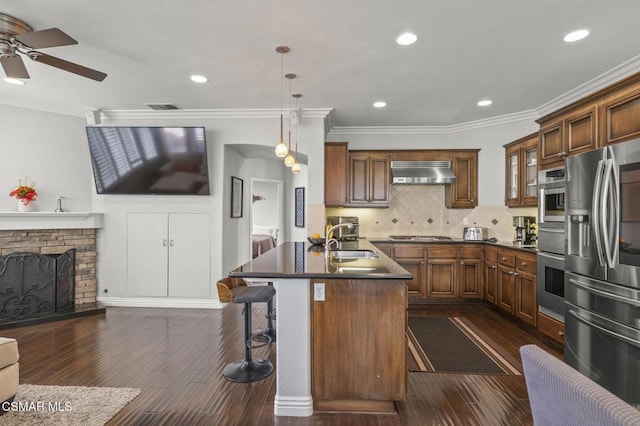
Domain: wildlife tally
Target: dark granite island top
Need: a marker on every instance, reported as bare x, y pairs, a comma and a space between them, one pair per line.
340, 328
303, 260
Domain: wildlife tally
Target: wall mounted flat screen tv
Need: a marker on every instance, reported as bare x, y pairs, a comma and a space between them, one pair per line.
149, 160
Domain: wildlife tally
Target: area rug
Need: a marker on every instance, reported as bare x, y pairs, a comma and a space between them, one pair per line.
454, 345
37, 405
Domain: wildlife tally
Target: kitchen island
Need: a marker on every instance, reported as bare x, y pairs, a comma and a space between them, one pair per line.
341, 323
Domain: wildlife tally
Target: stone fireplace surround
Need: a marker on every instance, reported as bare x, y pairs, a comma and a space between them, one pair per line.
54, 233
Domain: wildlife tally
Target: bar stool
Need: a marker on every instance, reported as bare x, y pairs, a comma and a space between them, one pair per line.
270, 331
249, 369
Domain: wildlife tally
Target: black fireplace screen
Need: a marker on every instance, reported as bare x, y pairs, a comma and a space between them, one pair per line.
34, 285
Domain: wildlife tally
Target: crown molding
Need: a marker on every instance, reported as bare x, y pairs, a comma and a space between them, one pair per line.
135, 114
436, 130
600, 82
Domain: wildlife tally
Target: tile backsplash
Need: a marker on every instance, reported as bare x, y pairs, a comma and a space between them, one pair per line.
420, 210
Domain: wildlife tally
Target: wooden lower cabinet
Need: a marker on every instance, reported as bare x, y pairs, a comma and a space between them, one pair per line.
415, 287
441, 277
516, 282
366, 321
471, 273
506, 289
491, 274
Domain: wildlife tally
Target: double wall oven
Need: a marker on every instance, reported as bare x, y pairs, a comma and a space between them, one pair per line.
551, 242
602, 278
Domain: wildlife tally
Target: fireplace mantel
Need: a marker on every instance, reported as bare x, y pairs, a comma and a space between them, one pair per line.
50, 220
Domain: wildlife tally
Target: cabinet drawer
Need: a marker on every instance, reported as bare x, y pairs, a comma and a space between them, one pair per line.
526, 263
442, 252
409, 252
491, 254
507, 259
551, 327
471, 253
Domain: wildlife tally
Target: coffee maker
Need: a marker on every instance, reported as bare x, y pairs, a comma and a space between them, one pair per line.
524, 234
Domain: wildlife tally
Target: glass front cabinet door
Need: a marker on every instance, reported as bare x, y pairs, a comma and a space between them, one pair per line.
521, 184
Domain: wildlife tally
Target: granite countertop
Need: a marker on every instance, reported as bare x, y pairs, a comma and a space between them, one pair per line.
303, 260
507, 244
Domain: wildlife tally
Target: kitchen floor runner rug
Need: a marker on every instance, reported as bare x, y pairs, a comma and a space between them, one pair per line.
454, 345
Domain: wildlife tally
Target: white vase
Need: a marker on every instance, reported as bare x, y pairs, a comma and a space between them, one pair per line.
22, 207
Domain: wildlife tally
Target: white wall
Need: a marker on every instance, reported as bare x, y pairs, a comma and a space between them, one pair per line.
52, 150
265, 212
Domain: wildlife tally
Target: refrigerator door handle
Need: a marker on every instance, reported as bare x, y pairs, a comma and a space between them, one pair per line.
613, 334
596, 212
606, 294
610, 229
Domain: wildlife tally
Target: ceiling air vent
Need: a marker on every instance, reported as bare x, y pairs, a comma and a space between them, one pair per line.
162, 107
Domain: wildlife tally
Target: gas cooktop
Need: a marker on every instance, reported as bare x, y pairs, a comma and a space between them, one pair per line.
420, 237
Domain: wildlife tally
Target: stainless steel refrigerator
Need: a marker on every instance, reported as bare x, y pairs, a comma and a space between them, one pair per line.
602, 259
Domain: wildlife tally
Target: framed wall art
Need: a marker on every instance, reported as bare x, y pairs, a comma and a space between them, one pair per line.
299, 203
236, 196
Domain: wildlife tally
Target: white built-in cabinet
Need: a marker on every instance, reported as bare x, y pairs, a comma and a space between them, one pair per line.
169, 255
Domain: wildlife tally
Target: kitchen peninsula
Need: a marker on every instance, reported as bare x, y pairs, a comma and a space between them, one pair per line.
340, 327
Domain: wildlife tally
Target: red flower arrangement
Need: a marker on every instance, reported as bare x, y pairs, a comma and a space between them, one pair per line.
25, 193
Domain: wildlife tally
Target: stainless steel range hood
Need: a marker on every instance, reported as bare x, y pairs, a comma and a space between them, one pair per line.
422, 172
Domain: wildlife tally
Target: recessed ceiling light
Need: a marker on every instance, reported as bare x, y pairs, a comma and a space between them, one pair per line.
199, 78
485, 102
576, 35
406, 39
14, 81
380, 104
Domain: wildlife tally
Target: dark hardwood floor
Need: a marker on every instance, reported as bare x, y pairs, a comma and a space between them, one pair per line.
176, 357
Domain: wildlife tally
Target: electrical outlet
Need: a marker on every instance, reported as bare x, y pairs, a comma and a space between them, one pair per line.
465, 221
318, 292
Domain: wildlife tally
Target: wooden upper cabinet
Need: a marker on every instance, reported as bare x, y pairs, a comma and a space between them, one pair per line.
521, 173
620, 115
335, 174
571, 133
464, 192
368, 179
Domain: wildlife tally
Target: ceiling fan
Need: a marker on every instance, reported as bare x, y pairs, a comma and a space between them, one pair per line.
18, 38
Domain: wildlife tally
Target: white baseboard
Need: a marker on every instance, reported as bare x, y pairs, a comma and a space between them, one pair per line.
156, 302
294, 406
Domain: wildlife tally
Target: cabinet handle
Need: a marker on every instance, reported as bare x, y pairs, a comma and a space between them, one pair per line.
524, 263
494, 267
515, 274
171, 242
504, 258
561, 333
422, 263
510, 272
462, 263
164, 242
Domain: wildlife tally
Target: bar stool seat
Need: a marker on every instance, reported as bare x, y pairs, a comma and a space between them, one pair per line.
250, 369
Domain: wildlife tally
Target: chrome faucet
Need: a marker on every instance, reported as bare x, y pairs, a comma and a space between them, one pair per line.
329, 241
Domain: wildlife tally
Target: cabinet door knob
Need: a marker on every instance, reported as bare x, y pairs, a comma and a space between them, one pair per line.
524, 263
494, 267
164, 242
515, 274
462, 263
504, 258
561, 333
510, 272
171, 242
422, 263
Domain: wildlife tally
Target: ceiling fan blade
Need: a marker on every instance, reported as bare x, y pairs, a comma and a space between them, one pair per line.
13, 66
51, 37
67, 66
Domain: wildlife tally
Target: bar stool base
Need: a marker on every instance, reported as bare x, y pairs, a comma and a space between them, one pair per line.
248, 371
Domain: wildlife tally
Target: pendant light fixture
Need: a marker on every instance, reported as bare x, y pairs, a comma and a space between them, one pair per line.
289, 160
296, 167
281, 148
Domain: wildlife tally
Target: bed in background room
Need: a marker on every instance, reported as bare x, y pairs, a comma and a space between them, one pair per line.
264, 239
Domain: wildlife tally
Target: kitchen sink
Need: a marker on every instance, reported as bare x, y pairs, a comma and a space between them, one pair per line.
353, 254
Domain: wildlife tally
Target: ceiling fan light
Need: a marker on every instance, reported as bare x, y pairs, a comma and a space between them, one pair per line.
14, 81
